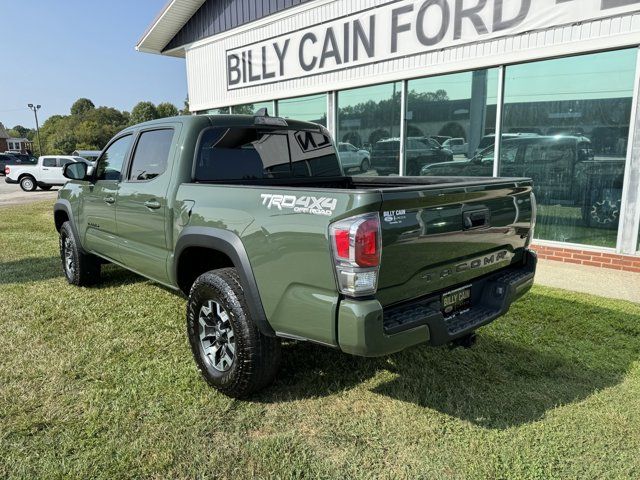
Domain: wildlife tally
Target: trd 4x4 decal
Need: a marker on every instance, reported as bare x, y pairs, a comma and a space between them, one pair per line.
306, 204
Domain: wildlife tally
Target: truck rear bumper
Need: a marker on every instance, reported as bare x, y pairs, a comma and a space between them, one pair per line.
366, 328
8, 180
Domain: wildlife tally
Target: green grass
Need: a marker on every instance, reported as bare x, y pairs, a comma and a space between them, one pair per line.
99, 383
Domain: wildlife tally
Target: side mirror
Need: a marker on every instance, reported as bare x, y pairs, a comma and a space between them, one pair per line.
75, 171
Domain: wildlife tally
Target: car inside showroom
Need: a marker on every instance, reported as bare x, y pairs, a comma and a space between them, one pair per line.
427, 87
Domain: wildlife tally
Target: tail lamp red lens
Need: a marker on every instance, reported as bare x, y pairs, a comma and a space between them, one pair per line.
367, 252
358, 242
356, 250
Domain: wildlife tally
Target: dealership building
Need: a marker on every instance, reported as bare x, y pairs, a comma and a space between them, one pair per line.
434, 83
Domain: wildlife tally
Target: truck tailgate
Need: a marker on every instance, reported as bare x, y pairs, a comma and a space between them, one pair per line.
436, 238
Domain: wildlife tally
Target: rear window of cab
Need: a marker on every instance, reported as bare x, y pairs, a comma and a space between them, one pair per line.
249, 153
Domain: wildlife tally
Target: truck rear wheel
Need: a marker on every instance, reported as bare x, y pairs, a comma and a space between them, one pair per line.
79, 268
229, 350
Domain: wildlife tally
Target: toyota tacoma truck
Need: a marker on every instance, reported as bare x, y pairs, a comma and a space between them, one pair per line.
252, 218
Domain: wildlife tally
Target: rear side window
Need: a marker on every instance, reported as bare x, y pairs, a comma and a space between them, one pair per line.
152, 155
247, 153
49, 162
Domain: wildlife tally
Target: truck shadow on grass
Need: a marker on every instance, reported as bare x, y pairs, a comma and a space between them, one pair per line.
30, 269
36, 269
546, 353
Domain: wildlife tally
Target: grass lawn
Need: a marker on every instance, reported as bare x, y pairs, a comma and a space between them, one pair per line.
99, 383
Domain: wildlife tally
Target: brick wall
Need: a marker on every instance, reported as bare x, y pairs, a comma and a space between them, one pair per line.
3, 145
587, 257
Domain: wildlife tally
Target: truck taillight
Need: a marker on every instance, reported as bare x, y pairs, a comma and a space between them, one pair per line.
356, 248
6, 170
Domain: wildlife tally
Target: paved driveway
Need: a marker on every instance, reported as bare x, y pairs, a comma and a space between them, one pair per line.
14, 195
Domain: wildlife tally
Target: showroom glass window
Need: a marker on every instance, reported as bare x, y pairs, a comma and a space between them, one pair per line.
448, 118
252, 108
312, 108
217, 111
369, 119
568, 120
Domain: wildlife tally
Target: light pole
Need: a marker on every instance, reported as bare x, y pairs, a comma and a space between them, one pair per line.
35, 109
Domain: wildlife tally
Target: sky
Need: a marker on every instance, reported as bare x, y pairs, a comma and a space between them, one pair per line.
56, 51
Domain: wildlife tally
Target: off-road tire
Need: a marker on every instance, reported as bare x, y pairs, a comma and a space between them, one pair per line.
256, 356
28, 183
85, 269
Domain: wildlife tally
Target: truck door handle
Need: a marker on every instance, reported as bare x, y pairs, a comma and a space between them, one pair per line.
110, 200
152, 204
476, 219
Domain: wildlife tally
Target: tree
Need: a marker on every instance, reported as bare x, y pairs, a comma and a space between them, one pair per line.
19, 131
166, 109
143, 112
82, 106
247, 109
185, 110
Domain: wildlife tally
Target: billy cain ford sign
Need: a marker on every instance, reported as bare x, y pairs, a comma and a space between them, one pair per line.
402, 28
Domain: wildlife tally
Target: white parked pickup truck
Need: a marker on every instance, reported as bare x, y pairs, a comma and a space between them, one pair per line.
45, 174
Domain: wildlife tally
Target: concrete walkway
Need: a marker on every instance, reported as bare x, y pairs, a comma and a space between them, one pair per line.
596, 281
13, 195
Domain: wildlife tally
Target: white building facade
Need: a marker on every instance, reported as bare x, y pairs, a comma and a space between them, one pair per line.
426, 87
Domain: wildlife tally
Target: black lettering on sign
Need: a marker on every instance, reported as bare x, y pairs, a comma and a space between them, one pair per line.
252, 77
396, 27
423, 37
281, 53
500, 23
266, 74
307, 37
360, 38
472, 14
233, 69
345, 47
330, 48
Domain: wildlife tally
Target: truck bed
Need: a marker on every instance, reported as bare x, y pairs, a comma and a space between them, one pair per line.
366, 183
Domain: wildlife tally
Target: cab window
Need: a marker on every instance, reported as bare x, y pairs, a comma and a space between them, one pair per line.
48, 162
152, 155
111, 161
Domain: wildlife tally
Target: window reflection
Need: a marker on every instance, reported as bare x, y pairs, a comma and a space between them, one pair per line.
369, 121
567, 120
252, 108
312, 108
449, 119
218, 111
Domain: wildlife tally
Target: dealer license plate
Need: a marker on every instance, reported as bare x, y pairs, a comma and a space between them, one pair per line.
456, 301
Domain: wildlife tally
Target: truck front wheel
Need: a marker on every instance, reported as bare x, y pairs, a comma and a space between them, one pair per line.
81, 269
229, 350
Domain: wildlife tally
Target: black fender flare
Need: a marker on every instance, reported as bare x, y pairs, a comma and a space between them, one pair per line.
230, 244
63, 205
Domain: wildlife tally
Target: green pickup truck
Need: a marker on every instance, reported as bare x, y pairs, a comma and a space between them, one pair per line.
253, 219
